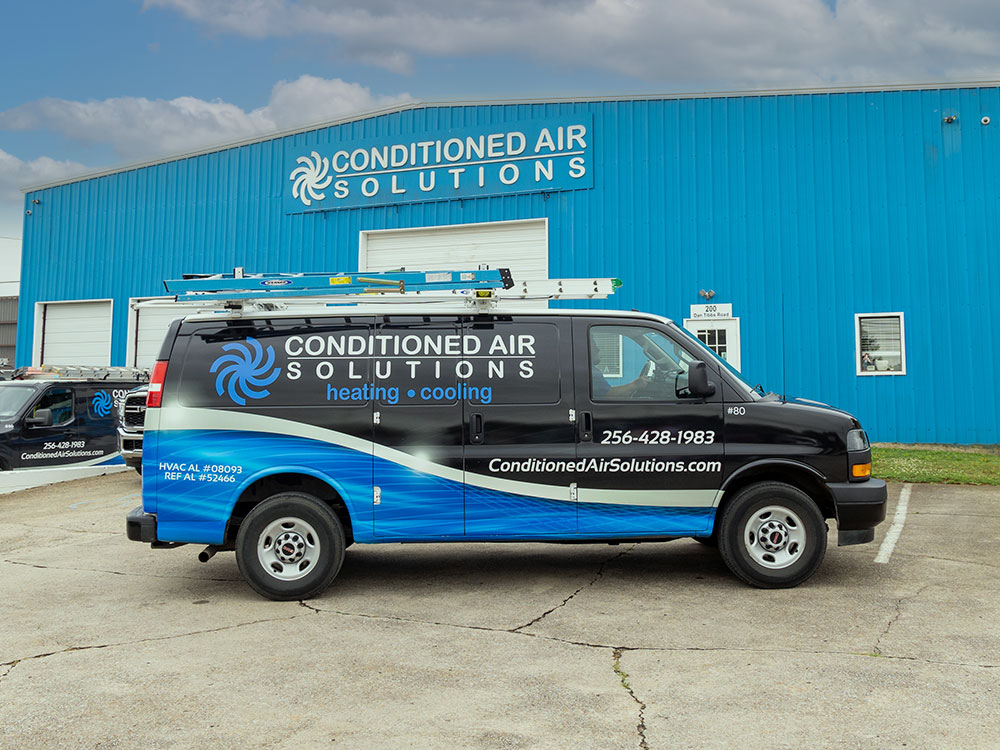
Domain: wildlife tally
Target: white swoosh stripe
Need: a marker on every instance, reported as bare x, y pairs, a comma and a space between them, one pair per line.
189, 418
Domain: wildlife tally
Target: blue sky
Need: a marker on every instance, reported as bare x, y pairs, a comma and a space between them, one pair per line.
103, 83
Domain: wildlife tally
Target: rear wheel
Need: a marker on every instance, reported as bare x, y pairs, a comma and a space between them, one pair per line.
772, 535
290, 546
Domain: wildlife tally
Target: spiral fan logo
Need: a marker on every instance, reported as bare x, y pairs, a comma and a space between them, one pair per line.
309, 179
101, 403
245, 372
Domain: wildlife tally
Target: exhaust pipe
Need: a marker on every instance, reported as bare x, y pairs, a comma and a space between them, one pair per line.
208, 553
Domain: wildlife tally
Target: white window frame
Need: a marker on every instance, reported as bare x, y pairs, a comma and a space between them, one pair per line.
857, 344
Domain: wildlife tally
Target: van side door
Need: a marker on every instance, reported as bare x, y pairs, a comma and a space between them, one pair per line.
419, 489
651, 454
96, 419
520, 441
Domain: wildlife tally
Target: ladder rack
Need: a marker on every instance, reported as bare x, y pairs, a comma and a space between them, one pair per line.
81, 372
239, 285
481, 289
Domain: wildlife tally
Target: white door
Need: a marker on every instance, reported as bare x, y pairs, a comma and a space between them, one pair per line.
150, 325
721, 335
76, 333
521, 246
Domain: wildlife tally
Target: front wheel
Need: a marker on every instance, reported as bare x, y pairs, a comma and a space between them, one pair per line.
772, 535
290, 546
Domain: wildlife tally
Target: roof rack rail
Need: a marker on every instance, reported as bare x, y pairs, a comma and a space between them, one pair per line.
482, 288
81, 372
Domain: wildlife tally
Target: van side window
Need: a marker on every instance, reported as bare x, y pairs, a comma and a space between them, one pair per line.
295, 364
60, 402
513, 363
635, 363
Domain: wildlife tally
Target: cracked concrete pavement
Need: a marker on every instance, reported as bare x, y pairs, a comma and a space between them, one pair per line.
107, 643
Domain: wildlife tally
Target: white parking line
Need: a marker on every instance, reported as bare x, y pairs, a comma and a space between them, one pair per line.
889, 543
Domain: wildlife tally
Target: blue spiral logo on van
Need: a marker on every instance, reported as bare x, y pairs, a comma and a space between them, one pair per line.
101, 403
246, 371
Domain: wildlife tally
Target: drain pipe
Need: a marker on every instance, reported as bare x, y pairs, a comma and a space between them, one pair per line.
208, 553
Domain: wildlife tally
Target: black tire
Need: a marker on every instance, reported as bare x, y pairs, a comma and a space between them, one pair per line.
772, 535
290, 546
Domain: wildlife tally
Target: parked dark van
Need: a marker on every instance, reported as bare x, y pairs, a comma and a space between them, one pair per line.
61, 417
288, 437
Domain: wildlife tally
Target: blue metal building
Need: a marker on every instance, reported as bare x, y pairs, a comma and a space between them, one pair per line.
841, 245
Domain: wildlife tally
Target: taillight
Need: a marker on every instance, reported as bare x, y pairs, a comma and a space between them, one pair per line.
155, 395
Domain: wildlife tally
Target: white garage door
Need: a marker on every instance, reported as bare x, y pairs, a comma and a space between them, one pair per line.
76, 333
151, 324
521, 246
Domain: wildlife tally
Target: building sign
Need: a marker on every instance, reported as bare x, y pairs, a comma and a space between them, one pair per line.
719, 310
519, 156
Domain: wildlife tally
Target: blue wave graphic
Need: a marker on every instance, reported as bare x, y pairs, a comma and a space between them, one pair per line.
414, 506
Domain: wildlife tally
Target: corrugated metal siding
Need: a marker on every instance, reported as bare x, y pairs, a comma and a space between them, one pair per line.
801, 210
8, 328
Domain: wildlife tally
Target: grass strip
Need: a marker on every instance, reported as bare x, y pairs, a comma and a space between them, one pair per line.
935, 466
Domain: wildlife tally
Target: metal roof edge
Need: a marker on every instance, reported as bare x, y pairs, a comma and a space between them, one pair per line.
405, 106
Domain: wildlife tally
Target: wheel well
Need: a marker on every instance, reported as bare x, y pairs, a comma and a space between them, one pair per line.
798, 478
271, 485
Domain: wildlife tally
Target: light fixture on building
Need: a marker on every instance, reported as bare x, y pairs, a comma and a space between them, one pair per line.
707, 295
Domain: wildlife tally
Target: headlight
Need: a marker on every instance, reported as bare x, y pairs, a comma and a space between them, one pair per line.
857, 440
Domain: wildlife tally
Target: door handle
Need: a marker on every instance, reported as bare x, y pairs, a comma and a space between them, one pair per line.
476, 431
586, 421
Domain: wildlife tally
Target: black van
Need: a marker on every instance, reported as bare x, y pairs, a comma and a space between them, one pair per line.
288, 437
47, 420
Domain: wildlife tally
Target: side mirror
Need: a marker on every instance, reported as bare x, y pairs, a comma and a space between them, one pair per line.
42, 418
698, 383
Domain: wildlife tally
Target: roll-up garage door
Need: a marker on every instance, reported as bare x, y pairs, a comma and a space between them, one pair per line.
151, 324
76, 333
521, 246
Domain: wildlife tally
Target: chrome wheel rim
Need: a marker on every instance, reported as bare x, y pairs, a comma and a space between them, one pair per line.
774, 537
288, 548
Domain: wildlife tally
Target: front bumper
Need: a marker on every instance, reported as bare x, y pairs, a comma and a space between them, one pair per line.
860, 508
130, 446
140, 526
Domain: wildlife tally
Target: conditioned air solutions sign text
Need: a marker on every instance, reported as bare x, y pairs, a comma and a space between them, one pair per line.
518, 156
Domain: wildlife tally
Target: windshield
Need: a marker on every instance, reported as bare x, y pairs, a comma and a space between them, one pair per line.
708, 355
13, 398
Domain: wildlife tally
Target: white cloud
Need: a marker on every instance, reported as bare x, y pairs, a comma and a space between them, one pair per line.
15, 174
734, 43
139, 128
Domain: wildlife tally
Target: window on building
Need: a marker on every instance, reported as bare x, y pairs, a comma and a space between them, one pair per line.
715, 339
880, 343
